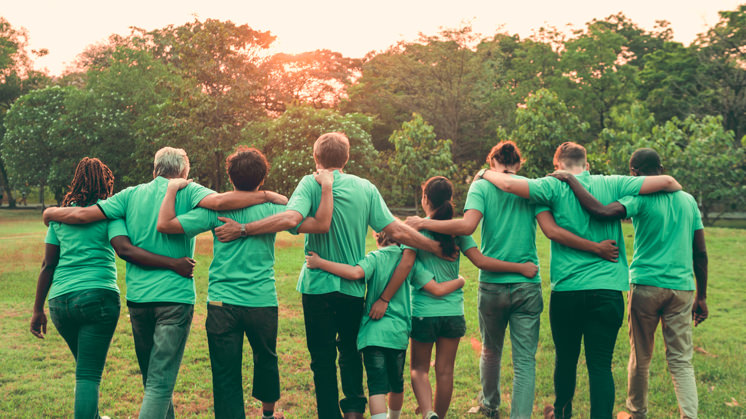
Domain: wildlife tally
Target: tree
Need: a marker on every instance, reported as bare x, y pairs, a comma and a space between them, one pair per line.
287, 141
542, 125
418, 155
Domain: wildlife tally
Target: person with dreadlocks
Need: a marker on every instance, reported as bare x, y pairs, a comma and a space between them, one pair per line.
80, 276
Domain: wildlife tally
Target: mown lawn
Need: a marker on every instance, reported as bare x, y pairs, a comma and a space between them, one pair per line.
37, 376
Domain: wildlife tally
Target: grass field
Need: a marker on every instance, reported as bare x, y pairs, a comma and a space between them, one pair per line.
37, 376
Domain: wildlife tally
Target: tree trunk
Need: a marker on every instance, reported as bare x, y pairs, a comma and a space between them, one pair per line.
41, 196
6, 186
416, 202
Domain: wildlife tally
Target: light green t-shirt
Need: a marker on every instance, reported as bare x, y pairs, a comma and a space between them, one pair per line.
357, 205
508, 229
242, 271
425, 304
664, 234
392, 330
139, 206
575, 270
86, 257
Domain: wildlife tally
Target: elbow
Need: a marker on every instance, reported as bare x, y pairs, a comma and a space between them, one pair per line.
551, 233
161, 227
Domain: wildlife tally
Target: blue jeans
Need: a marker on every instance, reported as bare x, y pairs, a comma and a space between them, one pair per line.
518, 305
226, 326
160, 333
86, 320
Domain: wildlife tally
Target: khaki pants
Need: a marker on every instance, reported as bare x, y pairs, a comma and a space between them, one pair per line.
673, 308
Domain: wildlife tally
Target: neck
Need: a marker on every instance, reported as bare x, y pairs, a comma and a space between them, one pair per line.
575, 170
498, 167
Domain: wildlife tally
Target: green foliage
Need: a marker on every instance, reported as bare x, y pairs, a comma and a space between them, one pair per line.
542, 125
288, 140
418, 156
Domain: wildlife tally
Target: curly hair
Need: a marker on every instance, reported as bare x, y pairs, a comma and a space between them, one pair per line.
93, 180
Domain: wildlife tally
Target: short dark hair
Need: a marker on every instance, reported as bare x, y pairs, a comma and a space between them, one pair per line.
646, 161
571, 154
247, 168
332, 150
384, 239
506, 153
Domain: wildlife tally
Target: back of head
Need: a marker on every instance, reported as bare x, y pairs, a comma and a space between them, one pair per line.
170, 163
439, 192
505, 153
384, 240
570, 155
247, 168
92, 181
645, 162
332, 150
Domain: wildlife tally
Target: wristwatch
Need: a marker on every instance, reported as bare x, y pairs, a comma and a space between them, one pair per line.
243, 230
480, 174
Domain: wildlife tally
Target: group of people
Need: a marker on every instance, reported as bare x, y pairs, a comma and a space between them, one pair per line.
365, 310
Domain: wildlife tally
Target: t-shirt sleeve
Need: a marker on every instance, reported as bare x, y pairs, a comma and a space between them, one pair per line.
633, 204
475, 197
117, 228
196, 193
198, 220
420, 276
465, 243
380, 216
369, 265
542, 190
540, 208
116, 206
302, 198
625, 185
697, 216
51, 237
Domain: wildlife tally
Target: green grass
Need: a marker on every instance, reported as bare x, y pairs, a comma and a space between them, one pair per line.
37, 376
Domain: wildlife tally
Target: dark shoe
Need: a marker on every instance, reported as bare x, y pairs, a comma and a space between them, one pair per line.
489, 413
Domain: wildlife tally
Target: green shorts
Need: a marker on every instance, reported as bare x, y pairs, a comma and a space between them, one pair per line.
385, 369
429, 329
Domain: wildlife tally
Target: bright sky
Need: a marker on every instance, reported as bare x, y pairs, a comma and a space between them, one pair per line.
66, 27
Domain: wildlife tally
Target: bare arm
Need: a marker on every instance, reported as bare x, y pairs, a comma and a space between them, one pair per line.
167, 221
231, 230
73, 215
126, 250
406, 235
240, 199
342, 270
606, 249
486, 263
699, 309
613, 211
660, 183
507, 183
38, 326
440, 289
395, 282
461, 227
322, 220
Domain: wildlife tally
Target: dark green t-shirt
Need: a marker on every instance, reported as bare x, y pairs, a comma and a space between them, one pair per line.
392, 330
357, 205
575, 270
664, 234
86, 257
139, 206
242, 271
508, 229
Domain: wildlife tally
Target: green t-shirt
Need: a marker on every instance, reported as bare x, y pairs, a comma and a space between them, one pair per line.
508, 229
242, 271
425, 304
139, 206
664, 233
357, 205
392, 330
86, 257
575, 270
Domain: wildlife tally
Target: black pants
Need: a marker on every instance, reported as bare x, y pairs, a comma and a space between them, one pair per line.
332, 322
226, 326
593, 316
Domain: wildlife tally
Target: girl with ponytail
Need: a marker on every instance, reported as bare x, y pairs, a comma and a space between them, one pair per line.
439, 319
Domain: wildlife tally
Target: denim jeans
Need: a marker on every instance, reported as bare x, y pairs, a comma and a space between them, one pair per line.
86, 320
226, 326
332, 322
160, 332
593, 316
648, 306
518, 305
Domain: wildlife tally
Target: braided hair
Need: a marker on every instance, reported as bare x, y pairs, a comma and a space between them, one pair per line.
439, 192
93, 180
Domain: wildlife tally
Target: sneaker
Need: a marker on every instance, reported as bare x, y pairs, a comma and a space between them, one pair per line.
489, 413
431, 415
548, 412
